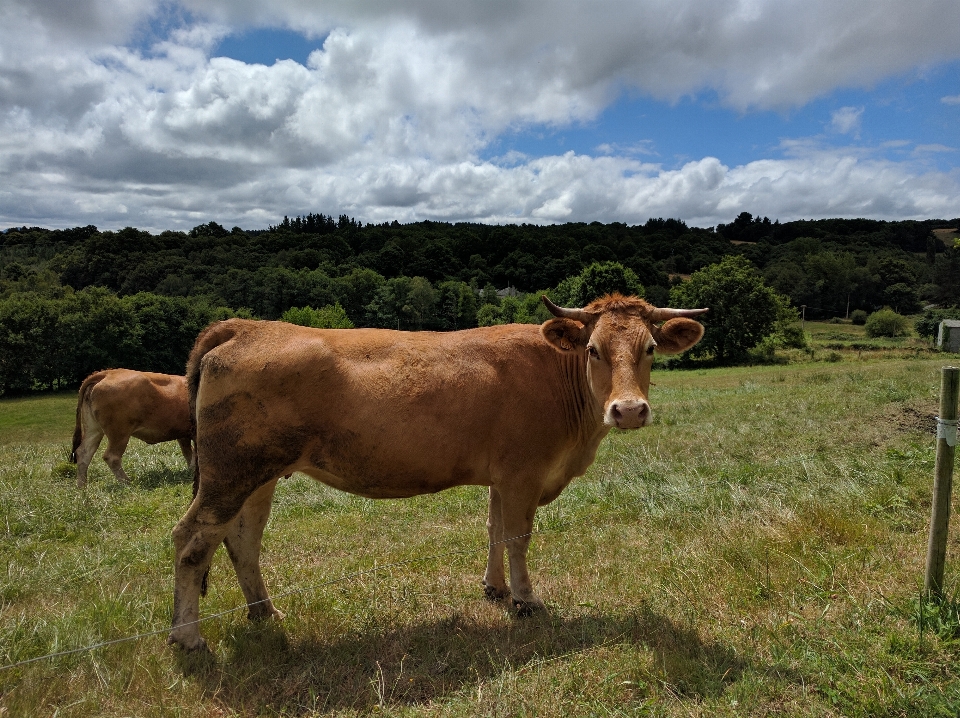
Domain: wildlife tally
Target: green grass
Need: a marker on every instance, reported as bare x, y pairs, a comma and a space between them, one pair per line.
828, 342
758, 551
38, 418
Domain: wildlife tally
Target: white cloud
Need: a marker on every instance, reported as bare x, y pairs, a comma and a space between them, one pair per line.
546, 189
391, 117
846, 120
934, 148
951, 100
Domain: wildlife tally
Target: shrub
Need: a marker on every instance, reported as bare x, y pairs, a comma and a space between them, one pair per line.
887, 323
929, 324
765, 351
858, 317
328, 317
792, 337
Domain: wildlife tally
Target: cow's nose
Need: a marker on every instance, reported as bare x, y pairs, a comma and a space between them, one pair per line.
630, 414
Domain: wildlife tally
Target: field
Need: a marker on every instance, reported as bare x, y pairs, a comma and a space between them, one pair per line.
758, 551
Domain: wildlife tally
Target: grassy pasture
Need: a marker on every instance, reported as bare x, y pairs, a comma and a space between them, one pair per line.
758, 551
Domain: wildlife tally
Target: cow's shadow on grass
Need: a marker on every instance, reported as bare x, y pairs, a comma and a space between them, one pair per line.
265, 668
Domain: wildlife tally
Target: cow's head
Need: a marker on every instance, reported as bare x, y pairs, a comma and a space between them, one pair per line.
618, 336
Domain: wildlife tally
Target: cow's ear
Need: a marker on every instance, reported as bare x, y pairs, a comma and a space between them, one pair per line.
565, 335
677, 335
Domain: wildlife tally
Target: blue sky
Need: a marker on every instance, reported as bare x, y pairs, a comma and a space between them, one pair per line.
900, 110
166, 114
267, 45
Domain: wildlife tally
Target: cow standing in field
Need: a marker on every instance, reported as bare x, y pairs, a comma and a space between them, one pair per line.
386, 414
120, 403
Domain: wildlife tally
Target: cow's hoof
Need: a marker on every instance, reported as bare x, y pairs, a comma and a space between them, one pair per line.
264, 615
494, 594
525, 609
198, 645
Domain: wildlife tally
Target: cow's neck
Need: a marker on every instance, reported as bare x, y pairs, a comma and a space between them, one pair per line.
584, 413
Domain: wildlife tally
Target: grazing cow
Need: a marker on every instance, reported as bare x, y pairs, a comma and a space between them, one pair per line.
120, 403
385, 414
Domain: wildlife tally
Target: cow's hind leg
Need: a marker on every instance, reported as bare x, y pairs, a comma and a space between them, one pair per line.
195, 539
85, 452
494, 579
243, 544
186, 447
113, 455
517, 508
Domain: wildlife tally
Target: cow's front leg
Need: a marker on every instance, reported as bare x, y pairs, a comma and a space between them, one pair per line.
518, 509
243, 542
494, 579
195, 538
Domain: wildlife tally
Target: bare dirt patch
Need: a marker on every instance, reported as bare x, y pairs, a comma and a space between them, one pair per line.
917, 417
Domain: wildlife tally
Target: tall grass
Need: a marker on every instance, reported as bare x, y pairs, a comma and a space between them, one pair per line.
757, 551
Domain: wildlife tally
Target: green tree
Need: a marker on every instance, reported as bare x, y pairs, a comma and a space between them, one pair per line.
29, 344
597, 280
743, 310
420, 302
902, 297
456, 305
489, 295
354, 291
167, 327
97, 331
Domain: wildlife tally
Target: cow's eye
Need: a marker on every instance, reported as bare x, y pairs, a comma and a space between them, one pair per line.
650, 350
592, 351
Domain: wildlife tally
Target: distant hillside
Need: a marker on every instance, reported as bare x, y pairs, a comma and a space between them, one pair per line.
827, 265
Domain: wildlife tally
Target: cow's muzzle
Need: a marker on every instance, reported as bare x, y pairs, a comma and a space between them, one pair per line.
628, 413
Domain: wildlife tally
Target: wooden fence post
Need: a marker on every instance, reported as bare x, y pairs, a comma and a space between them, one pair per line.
942, 482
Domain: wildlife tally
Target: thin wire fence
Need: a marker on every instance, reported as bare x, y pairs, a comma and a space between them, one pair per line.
292, 592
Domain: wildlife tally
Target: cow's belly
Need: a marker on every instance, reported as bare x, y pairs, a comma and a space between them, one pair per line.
377, 473
383, 486
153, 435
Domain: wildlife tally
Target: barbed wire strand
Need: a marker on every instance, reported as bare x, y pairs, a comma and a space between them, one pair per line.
292, 592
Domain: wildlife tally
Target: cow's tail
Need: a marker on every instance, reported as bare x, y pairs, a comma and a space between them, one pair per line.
82, 397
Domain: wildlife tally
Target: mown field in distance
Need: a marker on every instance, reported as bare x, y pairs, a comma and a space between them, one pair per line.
758, 551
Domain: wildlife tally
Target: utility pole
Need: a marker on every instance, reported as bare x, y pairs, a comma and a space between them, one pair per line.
803, 317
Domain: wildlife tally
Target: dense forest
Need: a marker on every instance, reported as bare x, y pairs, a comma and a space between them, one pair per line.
130, 288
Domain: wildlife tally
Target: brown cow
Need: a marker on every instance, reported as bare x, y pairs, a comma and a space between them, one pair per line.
385, 414
120, 403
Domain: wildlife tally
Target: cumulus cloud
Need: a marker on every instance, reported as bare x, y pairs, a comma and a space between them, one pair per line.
107, 118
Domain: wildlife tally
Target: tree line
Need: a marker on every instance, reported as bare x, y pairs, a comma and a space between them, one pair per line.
77, 300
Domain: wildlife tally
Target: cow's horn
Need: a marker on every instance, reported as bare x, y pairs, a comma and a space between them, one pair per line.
660, 315
580, 315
